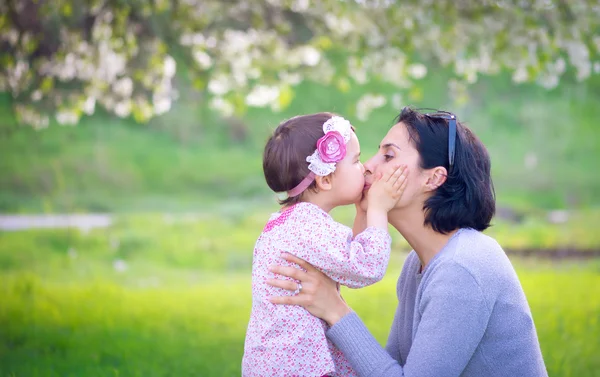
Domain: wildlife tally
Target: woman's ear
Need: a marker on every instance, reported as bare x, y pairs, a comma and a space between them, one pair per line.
323, 183
437, 177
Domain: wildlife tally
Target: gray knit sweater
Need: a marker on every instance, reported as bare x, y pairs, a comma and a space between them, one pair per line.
465, 315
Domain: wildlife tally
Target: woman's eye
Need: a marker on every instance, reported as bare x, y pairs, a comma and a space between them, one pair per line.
387, 157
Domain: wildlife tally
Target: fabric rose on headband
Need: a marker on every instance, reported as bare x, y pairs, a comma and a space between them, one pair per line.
331, 147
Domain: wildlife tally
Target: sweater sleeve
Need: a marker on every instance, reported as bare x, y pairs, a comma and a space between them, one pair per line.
454, 316
353, 262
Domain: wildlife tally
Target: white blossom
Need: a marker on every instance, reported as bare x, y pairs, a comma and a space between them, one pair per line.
203, 59
161, 104
89, 105
120, 265
310, 56
520, 75
397, 101
123, 108
123, 87
417, 71
67, 117
262, 95
218, 85
169, 67
223, 107
36, 95
367, 103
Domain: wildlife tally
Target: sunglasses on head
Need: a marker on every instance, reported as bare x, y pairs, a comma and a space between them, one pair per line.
451, 119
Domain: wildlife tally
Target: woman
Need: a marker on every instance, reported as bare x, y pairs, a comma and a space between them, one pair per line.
461, 309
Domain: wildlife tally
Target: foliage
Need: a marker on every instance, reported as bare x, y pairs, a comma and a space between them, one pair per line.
64, 58
543, 146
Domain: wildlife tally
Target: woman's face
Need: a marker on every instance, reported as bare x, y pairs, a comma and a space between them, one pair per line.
397, 148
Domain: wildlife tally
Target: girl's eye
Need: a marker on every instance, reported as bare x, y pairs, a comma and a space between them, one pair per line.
387, 157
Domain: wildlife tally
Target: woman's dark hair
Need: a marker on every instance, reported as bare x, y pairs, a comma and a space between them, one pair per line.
284, 157
467, 198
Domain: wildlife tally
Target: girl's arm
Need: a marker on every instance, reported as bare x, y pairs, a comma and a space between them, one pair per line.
353, 261
360, 221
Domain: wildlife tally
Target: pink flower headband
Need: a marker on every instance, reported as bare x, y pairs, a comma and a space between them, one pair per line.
331, 148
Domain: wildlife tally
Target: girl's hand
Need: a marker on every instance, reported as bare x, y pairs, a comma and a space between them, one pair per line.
388, 188
319, 294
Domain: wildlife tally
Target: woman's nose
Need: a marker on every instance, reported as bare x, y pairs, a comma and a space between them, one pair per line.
369, 167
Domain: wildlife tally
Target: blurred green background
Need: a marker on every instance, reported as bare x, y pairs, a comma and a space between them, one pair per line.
160, 286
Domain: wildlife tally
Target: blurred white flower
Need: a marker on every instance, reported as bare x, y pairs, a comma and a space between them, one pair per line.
584, 70
120, 265
397, 101
262, 95
161, 104
123, 108
548, 81
12, 36
300, 5
36, 95
290, 78
218, 85
367, 103
203, 59
560, 65
392, 69
211, 42
169, 67
67, 117
310, 55
29, 116
221, 106
123, 87
356, 70
341, 26
89, 105
520, 75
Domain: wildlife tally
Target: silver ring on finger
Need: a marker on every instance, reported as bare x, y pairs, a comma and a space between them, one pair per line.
298, 288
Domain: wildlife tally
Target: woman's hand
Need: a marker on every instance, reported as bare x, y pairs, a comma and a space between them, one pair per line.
319, 294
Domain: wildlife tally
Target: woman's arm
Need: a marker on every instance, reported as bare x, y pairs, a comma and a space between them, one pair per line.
454, 317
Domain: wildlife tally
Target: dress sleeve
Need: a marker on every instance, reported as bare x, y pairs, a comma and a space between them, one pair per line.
454, 316
330, 247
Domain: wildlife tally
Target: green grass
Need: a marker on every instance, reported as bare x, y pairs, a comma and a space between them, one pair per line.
224, 241
100, 328
190, 158
181, 306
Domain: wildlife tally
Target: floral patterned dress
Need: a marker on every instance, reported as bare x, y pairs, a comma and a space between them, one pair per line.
286, 340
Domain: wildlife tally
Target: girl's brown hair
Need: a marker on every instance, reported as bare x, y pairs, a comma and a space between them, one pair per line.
284, 157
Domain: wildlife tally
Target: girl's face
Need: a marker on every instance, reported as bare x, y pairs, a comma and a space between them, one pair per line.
348, 180
396, 147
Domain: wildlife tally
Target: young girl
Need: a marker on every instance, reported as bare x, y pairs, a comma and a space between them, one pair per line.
315, 159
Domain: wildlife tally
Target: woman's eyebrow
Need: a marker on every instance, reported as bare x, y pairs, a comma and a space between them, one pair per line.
387, 145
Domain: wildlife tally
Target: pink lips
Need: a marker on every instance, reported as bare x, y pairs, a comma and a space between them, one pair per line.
367, 186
